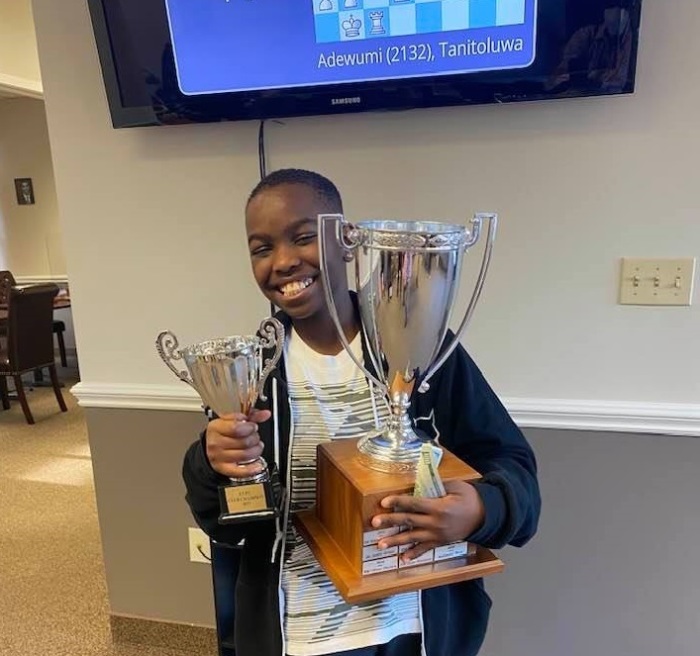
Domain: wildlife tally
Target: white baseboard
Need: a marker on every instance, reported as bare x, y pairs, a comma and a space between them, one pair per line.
561, 414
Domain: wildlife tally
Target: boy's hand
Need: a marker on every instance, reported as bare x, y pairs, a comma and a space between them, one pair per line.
432, 522
233, 440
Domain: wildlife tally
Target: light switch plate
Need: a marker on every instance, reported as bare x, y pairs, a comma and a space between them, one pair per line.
657, 281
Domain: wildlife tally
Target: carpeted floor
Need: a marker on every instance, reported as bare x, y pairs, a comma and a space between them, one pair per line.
53, 598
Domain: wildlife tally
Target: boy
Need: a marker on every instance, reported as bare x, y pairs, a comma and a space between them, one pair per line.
285, 605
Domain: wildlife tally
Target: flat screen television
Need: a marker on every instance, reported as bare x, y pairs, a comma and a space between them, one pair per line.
189, 61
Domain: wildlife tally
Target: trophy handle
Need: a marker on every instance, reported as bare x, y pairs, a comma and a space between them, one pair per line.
350, 240
168, 347
271, 334
485, 262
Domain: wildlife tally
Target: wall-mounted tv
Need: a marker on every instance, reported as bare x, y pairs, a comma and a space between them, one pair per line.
189, 61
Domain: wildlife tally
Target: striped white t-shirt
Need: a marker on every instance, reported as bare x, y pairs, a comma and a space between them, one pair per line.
330, 399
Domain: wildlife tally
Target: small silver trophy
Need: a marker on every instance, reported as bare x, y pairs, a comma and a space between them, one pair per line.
229, 375
407, 275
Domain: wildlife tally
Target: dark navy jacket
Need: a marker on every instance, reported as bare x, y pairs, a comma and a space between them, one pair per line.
464, 413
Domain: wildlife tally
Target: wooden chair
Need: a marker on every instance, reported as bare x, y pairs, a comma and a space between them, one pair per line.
29, 342
59, 327
7, 281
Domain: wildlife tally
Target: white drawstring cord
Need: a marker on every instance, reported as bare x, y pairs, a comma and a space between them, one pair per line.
279, 534
276, 428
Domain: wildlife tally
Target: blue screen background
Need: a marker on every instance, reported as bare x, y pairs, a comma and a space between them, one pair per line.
240, 45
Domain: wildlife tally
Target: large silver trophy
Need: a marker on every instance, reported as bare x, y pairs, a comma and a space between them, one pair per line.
229, 375
407, 275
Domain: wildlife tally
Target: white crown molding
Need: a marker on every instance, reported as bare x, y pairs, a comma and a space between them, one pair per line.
561, 414
21, 86
38, 280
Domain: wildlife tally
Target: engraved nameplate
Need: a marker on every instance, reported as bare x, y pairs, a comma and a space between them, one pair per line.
425, 559
246, 498
372, 537
372, 552
377, 566
450, 551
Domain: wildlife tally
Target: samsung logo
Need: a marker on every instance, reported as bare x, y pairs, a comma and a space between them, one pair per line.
346, 101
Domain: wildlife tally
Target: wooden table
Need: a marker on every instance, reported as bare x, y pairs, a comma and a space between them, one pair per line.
61, 303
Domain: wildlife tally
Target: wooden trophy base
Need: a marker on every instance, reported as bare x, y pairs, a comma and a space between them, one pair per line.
338, 529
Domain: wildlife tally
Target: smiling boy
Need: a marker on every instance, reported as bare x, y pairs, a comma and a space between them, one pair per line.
285, 604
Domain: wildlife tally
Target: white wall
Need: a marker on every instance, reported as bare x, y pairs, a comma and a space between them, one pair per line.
18, 53
154, 216
33, 241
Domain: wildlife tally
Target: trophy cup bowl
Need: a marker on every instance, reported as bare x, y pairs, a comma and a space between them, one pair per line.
229, 375
407, 275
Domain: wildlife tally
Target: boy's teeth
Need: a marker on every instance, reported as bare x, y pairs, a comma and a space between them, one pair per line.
292, 288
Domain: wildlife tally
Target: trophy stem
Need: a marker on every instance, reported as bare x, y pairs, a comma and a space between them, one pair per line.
397, 448
261, 477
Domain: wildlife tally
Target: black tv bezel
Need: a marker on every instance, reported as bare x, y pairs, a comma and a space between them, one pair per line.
355, 97
122, 117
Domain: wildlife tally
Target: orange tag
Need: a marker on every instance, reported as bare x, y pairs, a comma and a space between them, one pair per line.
400, 385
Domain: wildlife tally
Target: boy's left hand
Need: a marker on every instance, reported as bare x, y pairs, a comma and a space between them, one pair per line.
431, 522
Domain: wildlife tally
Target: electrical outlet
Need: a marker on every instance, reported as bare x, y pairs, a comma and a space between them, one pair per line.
200, 547
657, 282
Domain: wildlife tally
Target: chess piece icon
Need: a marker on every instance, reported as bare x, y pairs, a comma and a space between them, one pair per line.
352, 26
377, 17
326, 5
350, 4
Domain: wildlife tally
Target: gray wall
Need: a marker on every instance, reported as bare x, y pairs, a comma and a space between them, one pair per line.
137, 458
611, 571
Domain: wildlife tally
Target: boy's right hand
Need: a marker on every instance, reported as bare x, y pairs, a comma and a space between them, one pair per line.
233, 440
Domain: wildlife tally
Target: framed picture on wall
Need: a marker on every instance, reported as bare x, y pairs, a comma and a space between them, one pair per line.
25, 191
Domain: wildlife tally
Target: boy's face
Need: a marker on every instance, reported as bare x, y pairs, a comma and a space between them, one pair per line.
282, 239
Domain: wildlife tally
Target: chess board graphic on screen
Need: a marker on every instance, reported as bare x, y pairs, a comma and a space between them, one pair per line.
229, 46
347, 20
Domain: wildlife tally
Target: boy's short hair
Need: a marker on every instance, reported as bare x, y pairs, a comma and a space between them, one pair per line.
318, 183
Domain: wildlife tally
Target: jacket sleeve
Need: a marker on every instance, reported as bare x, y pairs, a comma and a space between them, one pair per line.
202, 484
477, 428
